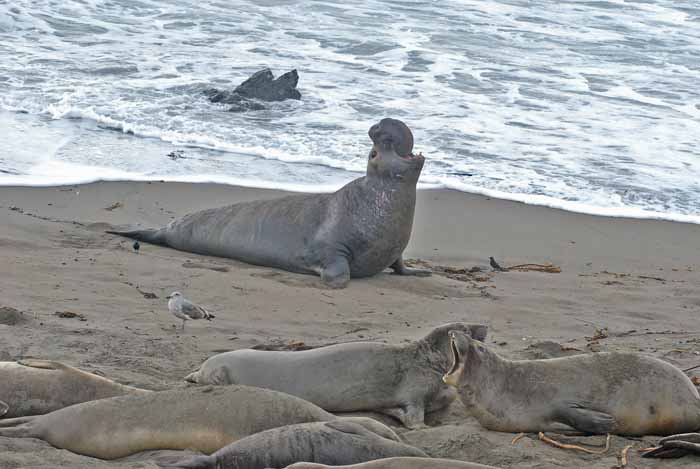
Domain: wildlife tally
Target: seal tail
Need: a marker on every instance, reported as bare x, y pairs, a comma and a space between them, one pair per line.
147, 236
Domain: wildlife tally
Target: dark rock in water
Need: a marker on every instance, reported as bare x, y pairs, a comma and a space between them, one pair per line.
262, 86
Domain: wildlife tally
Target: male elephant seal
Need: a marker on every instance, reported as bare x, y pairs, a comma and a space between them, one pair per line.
398, 463
358, 231
334, 442
31, 387
403, 381
204, 419
621, 393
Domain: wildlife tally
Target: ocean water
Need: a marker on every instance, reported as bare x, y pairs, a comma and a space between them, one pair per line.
586, 105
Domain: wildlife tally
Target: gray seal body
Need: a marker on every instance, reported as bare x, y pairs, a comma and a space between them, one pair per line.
203, 419
403, 381
620, 393
333, 442
358, 231
399, 463
33, 387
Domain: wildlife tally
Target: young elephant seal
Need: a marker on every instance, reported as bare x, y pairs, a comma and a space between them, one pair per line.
32, 387
204, 419
621, 393
358, 231
398, 463
403, 381
334, 442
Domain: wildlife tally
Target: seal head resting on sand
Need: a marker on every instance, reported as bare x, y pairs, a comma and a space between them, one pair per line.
621, 393
32, 387
334, 442
203, 419
403, 381
358, 231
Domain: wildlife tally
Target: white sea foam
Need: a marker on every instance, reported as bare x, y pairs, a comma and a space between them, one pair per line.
591, 107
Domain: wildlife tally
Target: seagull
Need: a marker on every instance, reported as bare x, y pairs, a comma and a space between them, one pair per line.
495, 265
186, 310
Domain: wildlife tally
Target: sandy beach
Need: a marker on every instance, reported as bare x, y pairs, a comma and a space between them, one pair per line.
624, 285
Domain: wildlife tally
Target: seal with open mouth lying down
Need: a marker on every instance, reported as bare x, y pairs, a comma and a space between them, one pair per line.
334, 442
358, 231
403, 381
204, 419
620, 393
32, 387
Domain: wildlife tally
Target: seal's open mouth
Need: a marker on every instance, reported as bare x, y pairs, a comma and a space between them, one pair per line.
452, 376
413, 157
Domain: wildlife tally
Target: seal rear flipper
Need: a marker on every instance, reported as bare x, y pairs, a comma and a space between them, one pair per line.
43, 364
148, 236
3, 408
676, 446
667, 452
20, 427
586, 420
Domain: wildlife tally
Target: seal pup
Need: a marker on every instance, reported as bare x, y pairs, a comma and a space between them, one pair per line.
33, 387
403, 381
609, 392
184, 309
358, 231
398, 463
333, 442
204, 419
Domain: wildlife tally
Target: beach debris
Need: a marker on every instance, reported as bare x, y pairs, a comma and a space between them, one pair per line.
600, 333
11, 317
70, 315
622, 459
496, 266
176, 155
517, 438
462, 274
114, 206
184, 309
557, 444
546, 268
136, 246
200, 265
291, 346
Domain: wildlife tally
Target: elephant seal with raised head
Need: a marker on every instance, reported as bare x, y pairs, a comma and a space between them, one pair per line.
333, 442
204, 419
358, 231
403, 381
398, 463
621, 393
33, 387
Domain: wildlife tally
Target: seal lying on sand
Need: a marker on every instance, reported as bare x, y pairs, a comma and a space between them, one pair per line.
204, 419
32, 387
334, 442
621, 393
398, 463
403, 381
358, 231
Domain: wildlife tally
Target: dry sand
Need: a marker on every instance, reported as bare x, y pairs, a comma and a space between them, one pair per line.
637, 281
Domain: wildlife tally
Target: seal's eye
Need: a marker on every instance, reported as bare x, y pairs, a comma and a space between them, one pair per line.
373, 154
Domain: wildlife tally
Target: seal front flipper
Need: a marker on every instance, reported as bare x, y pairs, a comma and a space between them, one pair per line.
337, 273
586, 420
400, 269
148, 236
3, 408
411, 416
